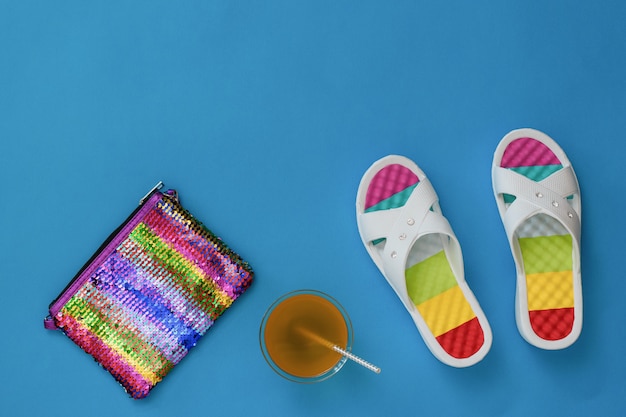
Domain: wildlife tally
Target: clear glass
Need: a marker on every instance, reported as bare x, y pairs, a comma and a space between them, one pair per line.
289, 375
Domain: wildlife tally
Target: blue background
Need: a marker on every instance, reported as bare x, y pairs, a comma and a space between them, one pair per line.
264, 115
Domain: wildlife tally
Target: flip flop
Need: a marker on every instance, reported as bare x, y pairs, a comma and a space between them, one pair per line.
538, 199
414, 247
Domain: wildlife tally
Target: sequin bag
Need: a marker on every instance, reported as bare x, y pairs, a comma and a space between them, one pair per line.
149, 293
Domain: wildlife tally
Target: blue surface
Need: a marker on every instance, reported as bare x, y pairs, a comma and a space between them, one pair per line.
264, 116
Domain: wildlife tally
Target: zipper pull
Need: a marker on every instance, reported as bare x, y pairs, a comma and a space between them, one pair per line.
49, 324
155, 188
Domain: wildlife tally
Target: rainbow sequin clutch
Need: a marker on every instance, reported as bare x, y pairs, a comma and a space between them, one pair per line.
149, 293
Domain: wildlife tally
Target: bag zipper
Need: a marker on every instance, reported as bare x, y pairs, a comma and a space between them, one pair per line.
105, 249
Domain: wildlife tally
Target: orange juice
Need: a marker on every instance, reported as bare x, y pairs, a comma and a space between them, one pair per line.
290, 325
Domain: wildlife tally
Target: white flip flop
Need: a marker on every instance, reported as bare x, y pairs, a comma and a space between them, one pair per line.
538, 198
414, 247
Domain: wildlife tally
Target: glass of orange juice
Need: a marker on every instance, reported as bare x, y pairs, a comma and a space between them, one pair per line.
297, 333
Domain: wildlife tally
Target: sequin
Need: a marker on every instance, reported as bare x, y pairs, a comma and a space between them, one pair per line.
154, 296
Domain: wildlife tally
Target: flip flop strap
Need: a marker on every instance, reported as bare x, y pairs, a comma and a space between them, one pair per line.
384, 224
401, 227
548, 196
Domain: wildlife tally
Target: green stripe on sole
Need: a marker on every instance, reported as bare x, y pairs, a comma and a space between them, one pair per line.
429, 278
546, 253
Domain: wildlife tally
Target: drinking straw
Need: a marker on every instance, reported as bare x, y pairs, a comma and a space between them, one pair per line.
339, 350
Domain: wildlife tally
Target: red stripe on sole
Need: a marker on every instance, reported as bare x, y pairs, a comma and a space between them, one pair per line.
552, 324
463, 341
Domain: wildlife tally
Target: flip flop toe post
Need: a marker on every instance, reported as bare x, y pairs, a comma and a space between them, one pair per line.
538, 198
413, 245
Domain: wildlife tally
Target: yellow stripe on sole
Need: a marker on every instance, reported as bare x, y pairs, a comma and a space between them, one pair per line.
550, 290
446, 311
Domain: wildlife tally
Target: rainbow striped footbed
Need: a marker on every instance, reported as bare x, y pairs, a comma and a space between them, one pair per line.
154, 296
430, 282
546, 247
